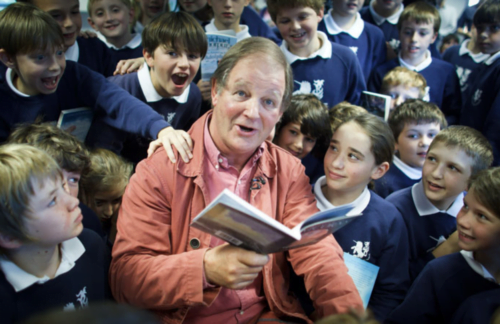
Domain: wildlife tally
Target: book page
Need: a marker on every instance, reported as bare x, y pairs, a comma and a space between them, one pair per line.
364, 274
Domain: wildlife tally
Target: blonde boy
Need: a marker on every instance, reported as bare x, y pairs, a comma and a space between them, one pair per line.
418, 28
112, 19
47, 260
430, 207
401, 84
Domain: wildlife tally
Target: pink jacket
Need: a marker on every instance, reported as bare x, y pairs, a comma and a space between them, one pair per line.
158, 258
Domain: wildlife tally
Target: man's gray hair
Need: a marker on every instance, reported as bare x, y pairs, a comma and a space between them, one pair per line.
254, 46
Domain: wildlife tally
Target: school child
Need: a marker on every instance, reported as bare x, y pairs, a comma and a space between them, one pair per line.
449, 280
313, 57
402, 84
70, 154
414, 125
112, 19
466, 57
344, 25
47, 259
174, 44
303, 127
36, 81
418, 27
481, 109
385, 15
430, 207
147, 10
103, 187
449, 41
360, 151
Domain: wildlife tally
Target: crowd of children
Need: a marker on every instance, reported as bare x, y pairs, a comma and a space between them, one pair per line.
428, 191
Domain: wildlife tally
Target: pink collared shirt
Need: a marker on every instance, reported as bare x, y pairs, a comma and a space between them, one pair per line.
230, 306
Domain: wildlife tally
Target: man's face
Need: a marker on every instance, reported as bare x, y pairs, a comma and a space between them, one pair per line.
248, 107
228, 12
67, 15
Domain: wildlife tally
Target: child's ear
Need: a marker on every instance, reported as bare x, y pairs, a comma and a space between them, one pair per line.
148, 57
131, 13
434, 38
7, 59
380, 170
8, 242
321, 13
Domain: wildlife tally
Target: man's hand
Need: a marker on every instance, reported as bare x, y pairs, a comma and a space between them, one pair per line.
178, 138
129, 66
447, 247
232, 267
205, 89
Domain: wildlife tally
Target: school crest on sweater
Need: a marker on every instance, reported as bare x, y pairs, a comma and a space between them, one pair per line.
81, 298
361, 250
305, 88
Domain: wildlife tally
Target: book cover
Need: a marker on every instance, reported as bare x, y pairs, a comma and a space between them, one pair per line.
76, 121
364, 274
376, 104
218, 45
235, 221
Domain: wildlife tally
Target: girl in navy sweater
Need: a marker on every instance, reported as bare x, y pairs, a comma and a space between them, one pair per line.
360, 151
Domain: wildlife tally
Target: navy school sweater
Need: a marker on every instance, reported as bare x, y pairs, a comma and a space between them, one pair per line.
478, 308
393, 180
95, 55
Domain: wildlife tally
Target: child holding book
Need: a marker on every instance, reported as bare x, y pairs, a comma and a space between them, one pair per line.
414, 125
47, 259
103, 186
402, 84
174, 44
430, 207
449, 280
344, 25
113, 19
360, 151
313, 57
418, 28
481, 109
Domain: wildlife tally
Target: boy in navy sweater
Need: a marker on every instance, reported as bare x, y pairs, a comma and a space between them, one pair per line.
429, 208
112, 19
70, 154
91, 52
313, 57
47, 259
343, 25
449, 280
481, 109
174, 44
414, 125
418, 27
37, 82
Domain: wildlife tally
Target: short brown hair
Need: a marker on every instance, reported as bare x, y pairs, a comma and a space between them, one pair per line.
486, 185
66, 149
23, 169
405, 77
470, 141
415, 111
420, 12
342, 112
487, 13
254, 46
274, 6
177, 30
25, 28
90, 3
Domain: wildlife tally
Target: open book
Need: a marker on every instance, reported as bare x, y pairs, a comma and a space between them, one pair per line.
76, 121
376, 104
234, 220
218, 44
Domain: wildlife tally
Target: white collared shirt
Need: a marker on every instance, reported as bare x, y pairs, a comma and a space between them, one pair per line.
241, 35
71, 250
412, 173
149, 90
477, 267
379, 20
426, 208
325, 51
334, 29
135, 42
478, 58
73, 52
421, 66
322, 203
492, 58
8, 77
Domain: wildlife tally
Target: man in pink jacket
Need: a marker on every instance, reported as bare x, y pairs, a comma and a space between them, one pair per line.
184, 275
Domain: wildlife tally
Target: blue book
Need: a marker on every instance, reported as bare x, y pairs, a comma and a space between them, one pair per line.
363, 274
218, 44
76, 121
